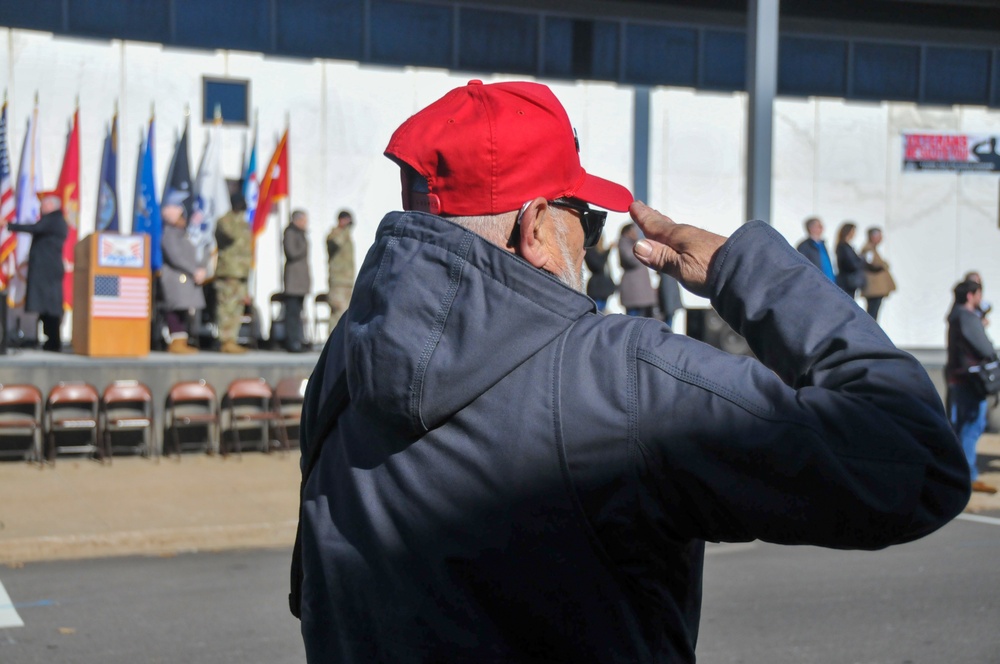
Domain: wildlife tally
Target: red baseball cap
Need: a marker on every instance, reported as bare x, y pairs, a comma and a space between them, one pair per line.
486, 149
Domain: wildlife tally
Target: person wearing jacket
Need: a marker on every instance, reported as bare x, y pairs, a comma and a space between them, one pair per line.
968, 346
297, 279
851, 268
45, 267
635, 290
181, 276
878, 281
601, 285
814, 247
340, 266
508, 476
235, 260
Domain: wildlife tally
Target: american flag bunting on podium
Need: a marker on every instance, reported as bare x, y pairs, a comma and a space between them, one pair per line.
120, 297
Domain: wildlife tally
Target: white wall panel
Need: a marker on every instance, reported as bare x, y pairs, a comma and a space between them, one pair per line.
839, 160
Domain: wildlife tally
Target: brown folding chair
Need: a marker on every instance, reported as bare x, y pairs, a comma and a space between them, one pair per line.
192, 404
322, 299
127, 405
247, 405
21, 420
289, 394
73, 408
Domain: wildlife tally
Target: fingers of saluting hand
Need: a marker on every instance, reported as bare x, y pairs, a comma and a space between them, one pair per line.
682, 251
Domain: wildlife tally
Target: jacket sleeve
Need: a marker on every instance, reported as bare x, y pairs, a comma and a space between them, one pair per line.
975, 334
41, 227
834, 438
295, 245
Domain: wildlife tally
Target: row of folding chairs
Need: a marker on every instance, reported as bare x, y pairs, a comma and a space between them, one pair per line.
76, 418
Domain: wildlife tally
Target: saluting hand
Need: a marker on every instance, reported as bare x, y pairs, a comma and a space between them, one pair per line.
682, 251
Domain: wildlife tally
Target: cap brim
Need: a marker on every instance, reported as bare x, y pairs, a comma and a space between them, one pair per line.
604, 194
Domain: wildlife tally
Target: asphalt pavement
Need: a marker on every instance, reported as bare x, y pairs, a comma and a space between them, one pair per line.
933, 601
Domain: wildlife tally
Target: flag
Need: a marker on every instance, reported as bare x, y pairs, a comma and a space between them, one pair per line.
8, 240
211, 196
179, 173
106, 219
29, 182
69, 192
274, 186
120, 297
251, 186
146, 213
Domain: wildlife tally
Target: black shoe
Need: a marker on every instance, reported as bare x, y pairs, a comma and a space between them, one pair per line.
295, 348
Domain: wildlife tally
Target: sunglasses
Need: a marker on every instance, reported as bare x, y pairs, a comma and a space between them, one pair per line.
592, 220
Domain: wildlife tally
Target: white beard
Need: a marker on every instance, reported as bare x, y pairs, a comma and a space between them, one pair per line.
571, 278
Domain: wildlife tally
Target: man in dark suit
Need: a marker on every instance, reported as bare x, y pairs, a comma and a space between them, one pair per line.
814, 248
45, 267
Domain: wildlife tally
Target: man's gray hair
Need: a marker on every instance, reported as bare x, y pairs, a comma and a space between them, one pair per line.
494, 228
298, 214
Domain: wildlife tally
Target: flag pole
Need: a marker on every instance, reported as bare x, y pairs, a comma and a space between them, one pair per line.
279, 245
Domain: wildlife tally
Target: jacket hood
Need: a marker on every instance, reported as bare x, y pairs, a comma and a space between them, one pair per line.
439, 315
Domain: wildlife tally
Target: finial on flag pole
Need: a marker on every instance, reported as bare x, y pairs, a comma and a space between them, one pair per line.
77, 102
217, 115
187, 110
152, 110
36, 97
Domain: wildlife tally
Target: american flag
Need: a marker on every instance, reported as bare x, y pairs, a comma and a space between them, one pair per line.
120, 297
8, 240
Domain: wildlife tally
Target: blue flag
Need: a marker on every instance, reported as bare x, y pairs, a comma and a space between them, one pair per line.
107, 194
146, 216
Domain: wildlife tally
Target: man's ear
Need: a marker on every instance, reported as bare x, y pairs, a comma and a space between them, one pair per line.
533, 221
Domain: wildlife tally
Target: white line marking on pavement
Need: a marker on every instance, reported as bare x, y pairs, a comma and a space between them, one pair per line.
8, 614
979, 519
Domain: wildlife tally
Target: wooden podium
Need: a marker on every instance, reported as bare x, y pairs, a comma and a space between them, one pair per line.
111, 295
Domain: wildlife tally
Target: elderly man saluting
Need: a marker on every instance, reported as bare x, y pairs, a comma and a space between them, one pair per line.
496, 473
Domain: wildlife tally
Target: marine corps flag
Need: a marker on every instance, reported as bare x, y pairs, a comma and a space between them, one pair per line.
273, 187
69, 192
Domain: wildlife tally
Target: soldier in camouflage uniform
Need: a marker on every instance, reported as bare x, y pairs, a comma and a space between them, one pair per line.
232, 233
340, 248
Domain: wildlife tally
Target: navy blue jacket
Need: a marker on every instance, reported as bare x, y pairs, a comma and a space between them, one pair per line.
519, 479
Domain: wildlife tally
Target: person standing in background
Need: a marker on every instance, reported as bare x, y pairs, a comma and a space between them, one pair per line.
182, 274
45, 267
601, 286
233, 236
850, 267
636, 289
669, 294
298, 282
814, 247
878, 281
340, 256
968, 346
983, 308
